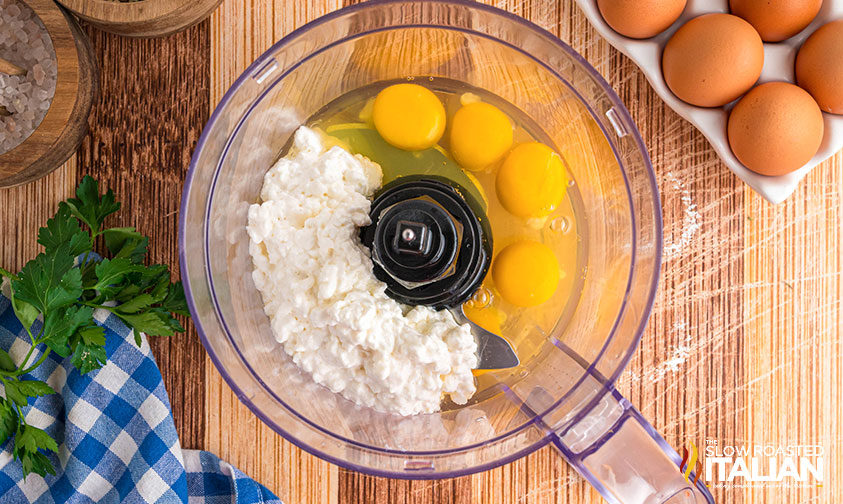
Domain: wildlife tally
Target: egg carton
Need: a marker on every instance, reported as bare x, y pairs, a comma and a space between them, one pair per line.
779, 61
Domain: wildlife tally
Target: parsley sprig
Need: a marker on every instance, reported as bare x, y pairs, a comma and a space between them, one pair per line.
63, 286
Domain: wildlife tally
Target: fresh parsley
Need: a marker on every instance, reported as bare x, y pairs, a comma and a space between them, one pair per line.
63, 286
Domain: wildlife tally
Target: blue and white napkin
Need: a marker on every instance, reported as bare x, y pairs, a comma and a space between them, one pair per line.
115, 431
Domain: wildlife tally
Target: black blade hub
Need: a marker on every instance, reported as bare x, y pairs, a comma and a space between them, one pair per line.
430, 241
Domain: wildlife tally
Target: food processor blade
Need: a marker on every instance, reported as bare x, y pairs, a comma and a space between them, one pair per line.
493, 351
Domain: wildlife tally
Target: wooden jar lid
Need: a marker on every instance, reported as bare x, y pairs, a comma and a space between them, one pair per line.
142, 18
77, 84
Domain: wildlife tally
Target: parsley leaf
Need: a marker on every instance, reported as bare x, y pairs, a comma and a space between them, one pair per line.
150, 276
137, 304
66, 293
175, 301
12, 393
61, 324
25, 312
33, 438
149, 322
6, 361
111, 273
89, 206
19, 391
34, 388
71, 285
89, 353
8, 419
161, 289
28, 441
64, 228
36, 462
143, 278
126, 242
48, 281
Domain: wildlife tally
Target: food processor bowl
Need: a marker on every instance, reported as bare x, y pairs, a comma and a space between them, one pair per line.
563, 392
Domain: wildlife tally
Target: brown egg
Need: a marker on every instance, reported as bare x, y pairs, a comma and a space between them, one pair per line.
776, 128
777, 20
640, 18
819, 66
712, 59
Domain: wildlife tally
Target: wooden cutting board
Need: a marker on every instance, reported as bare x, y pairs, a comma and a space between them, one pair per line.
744, 345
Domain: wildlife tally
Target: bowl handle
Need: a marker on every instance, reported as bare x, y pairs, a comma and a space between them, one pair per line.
626, 460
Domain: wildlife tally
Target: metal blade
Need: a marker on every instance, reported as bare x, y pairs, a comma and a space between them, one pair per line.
493, 351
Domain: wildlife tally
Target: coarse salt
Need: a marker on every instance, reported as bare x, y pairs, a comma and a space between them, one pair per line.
25, 42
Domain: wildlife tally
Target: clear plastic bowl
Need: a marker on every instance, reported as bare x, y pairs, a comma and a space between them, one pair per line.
564, 393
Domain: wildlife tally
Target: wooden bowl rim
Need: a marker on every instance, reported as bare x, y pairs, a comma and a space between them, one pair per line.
67, 79
113, 11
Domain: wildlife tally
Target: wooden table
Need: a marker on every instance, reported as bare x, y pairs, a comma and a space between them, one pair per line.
744, 345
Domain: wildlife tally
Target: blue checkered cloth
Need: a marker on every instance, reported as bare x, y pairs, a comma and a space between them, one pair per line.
116, 436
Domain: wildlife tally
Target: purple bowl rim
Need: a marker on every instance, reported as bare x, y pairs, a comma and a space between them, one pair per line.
619, 107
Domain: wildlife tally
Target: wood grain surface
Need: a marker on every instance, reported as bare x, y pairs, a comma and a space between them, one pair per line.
744, 345
149, 18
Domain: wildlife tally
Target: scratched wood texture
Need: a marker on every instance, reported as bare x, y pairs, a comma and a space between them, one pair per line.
744, 345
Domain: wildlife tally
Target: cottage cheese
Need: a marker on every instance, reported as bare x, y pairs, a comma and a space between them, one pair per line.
326, 307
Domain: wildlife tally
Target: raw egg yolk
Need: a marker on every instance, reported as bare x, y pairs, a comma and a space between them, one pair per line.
409, 116
480, 135
526, 273
531, 181
489, 317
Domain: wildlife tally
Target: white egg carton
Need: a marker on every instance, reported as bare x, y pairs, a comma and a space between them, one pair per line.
779, 59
